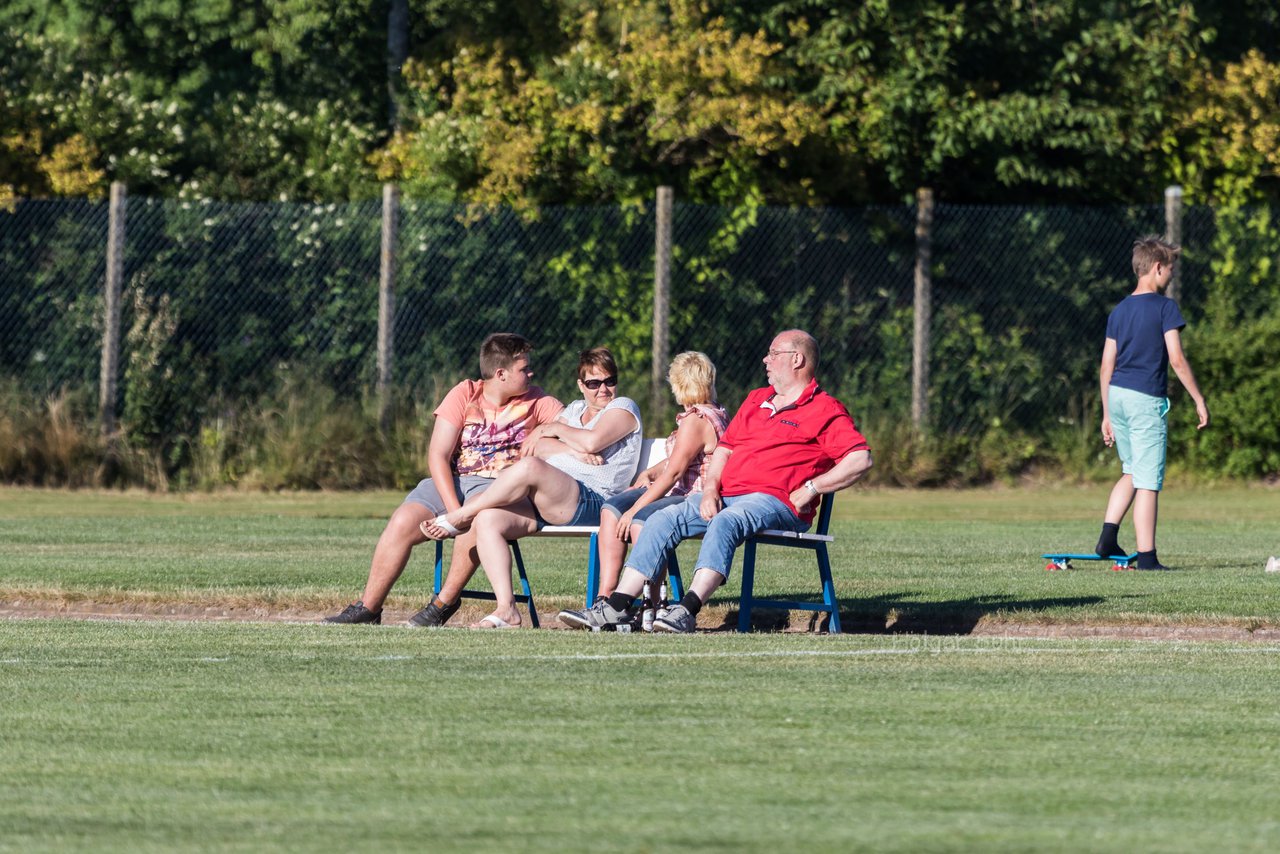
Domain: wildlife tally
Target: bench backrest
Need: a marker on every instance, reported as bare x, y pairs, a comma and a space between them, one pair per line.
652, 452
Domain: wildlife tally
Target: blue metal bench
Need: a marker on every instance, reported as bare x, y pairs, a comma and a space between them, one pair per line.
653, 451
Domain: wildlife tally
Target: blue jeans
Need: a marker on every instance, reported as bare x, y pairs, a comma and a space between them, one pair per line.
741, 517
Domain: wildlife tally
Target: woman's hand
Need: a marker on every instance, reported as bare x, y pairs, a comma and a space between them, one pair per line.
623, 529
529, 447
589, 459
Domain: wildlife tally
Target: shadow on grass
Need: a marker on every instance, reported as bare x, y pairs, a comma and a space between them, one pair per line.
904, 613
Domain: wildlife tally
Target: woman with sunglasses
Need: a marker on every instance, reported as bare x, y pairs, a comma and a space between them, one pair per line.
570, 466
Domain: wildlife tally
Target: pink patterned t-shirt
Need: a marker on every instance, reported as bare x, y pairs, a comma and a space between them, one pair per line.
490, 437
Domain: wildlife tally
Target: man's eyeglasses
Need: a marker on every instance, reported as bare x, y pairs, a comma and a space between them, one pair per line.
611, 382
773, 354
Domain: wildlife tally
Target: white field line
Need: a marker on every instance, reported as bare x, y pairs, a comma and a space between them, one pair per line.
683, 656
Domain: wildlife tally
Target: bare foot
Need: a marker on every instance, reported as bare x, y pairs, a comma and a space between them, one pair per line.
442, 527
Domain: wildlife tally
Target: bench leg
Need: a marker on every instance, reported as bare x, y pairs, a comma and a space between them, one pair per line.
593, 569
527, 598
524, 583
828, 589
747, 599
439, 582
673, 575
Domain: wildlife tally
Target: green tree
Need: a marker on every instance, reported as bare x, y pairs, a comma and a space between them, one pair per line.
1000, 101
669, 97
248, 100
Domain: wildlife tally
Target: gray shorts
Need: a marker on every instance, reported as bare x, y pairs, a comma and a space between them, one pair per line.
426, 494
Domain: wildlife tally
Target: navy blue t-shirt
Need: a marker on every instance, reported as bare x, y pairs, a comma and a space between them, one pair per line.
1138, 325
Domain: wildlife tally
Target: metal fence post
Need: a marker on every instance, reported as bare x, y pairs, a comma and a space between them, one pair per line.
109, 375
387, 300
923, 309
661, 305
1173, 232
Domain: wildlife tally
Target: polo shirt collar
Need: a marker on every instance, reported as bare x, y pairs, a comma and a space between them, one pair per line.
805, 396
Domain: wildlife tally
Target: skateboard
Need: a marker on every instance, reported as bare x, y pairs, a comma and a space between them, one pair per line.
1063, 561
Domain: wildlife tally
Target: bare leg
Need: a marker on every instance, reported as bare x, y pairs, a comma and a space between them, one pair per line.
612, 551
553, 492
392, 552
493, 529
705, 582
1145, 510
1121, 498
463, 564
631, 583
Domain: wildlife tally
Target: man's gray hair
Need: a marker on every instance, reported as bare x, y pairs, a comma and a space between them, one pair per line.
805, 343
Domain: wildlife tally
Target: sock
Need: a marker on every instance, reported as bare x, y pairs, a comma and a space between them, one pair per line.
1148, 560
1107, 545
691, 603
620, 601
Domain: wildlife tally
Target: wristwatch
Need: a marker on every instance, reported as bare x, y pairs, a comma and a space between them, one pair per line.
812, 488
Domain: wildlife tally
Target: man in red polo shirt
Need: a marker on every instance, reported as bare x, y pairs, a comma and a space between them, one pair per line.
789, 443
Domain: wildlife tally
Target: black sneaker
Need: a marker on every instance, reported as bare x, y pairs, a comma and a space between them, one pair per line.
356, 612
1156, 567
434, 616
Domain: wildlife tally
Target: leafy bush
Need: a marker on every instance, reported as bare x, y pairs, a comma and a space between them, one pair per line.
1239, 374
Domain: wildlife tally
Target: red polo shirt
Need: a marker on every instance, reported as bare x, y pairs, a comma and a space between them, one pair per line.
776, 452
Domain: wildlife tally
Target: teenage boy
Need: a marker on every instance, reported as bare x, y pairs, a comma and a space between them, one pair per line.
1143, 341
479, 429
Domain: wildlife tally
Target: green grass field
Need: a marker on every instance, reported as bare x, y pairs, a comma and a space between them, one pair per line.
921, 561
162, 735
165, 735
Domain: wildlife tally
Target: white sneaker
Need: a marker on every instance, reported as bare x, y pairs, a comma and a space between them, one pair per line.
1273, 564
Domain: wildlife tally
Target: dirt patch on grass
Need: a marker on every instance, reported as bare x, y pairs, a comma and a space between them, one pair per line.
714, 619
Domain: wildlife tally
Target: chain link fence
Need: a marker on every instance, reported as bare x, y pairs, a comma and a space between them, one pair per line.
229, 302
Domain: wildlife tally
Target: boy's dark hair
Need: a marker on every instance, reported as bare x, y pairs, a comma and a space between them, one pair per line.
597, 357
1149, 250
500, 350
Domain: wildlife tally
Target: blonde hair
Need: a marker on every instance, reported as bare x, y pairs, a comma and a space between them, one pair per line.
1150, 250
693, 378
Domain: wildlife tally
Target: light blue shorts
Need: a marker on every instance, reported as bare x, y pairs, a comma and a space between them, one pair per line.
1141, 425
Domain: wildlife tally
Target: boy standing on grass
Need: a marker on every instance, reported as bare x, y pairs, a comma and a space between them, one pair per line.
1143, 340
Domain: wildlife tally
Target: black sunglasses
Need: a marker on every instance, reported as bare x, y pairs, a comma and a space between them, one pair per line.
611, 382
